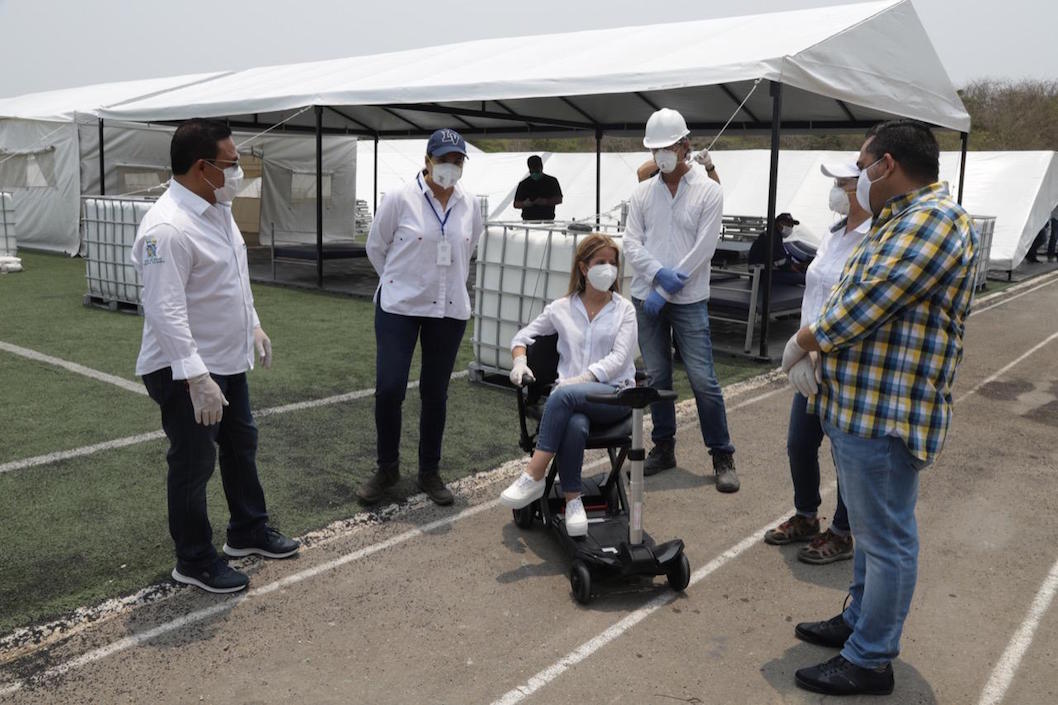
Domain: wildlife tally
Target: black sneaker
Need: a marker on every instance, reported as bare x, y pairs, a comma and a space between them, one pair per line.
834, 632
374, 487
265, 542
661, 457
839, 676
218, 577
724, 468
435, 489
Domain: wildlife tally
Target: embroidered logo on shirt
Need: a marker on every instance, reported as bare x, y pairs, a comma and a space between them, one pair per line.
150, 248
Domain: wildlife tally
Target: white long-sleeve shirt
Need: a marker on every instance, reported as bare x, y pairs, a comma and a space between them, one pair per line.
677, 232
403, 247
198, 312
605, 345
824, 273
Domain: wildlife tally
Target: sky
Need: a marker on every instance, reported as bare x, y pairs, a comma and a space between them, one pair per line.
49, 44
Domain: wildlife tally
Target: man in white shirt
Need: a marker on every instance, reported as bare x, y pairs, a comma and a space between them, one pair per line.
200, 330
673, 227
420, 244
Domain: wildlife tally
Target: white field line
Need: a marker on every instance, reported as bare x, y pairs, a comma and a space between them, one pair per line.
1031, 285
1005, 368
205, 613
127, 385
1003, 674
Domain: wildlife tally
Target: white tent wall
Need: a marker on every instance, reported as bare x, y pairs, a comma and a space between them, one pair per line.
127, 147
288, 187
48, 215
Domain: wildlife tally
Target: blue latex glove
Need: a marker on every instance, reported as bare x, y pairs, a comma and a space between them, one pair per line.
670, 280
654, 303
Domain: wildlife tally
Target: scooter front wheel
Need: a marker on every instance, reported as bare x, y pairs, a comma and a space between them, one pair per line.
523, 518
679, 573
580, 582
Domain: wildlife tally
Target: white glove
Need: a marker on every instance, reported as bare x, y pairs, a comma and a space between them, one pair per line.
582, 378
792, 353
263, 344
208, 400
520, 371
704, 159
803, 377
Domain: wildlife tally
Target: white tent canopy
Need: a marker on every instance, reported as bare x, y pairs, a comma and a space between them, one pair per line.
841, 66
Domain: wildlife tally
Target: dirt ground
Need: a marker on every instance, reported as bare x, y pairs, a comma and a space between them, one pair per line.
458, 605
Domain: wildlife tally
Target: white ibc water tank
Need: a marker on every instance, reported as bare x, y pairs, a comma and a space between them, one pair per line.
8, 244
110, 226
520, 269
985, 225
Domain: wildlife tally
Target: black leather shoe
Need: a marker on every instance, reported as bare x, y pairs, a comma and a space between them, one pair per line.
661, 457
841, 677
834, 632
435, 489
374, 487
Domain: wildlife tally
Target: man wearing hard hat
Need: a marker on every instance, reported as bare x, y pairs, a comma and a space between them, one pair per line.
673, 226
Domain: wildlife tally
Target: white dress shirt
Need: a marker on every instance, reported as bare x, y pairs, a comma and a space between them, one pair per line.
403, 248
677, 232
605, 345
824, 273
198, 312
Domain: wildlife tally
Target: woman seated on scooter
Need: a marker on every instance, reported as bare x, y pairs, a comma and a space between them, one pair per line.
596, 329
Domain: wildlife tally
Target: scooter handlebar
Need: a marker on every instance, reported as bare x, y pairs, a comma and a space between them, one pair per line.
633, 397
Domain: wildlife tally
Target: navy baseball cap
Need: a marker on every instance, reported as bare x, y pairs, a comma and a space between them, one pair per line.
444, 142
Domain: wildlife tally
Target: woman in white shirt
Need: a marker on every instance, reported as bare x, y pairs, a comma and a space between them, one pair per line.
420, 244
805, 433
597, 332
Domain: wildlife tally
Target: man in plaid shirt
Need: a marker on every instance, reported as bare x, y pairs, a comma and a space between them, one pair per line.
880, 361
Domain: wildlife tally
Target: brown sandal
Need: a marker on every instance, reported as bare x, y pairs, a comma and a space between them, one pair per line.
828, 547
796, 528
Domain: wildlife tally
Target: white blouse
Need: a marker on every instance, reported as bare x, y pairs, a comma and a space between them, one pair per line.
824, 272
605, 345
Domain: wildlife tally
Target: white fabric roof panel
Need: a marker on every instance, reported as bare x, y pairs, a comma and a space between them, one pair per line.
874, 57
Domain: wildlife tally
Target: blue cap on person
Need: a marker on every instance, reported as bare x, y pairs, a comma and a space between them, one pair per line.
444, 142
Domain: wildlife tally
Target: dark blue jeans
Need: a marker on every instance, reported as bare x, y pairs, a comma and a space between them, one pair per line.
803, 438
192, 456
395, 337
689, 325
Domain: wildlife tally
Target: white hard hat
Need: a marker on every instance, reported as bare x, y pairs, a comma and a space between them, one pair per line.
665, 127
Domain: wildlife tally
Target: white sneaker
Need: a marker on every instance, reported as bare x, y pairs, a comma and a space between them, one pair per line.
576, 518
523, 492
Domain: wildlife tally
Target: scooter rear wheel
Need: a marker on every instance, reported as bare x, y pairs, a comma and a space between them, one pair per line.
679, 573
580, 582
523, 518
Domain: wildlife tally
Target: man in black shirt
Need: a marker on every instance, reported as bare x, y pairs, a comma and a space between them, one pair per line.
537, 194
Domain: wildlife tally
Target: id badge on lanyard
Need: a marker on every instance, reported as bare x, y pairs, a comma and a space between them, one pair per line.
444, 248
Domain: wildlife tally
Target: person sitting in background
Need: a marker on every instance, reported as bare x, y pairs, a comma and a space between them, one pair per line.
537, 194
597, 332
805, 433
783, 267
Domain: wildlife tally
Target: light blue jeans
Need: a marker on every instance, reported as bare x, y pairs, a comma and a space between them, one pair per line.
565, 423
879, 483
689, 325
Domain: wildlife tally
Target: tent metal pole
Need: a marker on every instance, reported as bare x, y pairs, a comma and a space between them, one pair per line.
962, 162
102, 163
598, 175
773, 179
374, 207
319, 195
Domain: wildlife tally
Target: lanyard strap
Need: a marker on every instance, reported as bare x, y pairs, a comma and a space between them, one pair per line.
434, 210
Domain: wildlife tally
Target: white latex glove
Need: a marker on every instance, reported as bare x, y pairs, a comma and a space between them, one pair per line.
263, 344
208, 400
792, 353
704, 159
579, 379
803, 377
520, 371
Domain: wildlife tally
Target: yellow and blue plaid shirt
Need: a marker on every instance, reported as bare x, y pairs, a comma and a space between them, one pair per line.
892, 330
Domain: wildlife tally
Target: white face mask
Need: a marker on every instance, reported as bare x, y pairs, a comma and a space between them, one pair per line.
839, 200
666, 159
446, 175
786, 230
232, 183
863, 188
602, 276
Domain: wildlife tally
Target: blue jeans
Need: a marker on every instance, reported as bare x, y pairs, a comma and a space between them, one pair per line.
192, 456
689, 325
565, 423
803, 438
395, 337
879, 482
